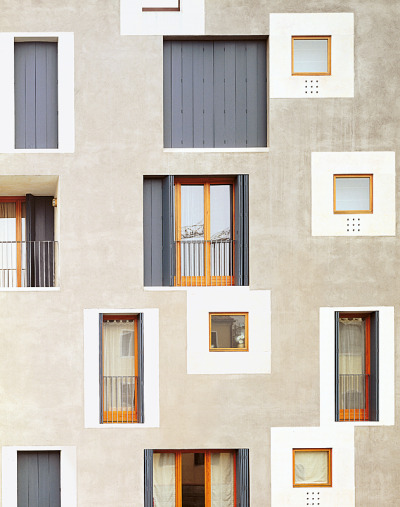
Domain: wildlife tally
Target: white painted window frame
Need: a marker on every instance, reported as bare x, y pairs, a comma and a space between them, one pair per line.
66, 119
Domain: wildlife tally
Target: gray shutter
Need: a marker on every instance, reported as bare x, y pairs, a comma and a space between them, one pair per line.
337, 404
40, 241
140, 373
101, 367
36, 102
168, 243
38, 479
215, 94
374, 378
242, 478
152, 231
242, 230
148, 478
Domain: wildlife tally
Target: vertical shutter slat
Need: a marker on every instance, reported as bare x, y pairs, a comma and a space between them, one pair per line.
242, 230
261, 95
337, 406
168, 244
176, 94
30, 95
251, 91
19, 79
44, 479
219, 94
140, 394
374, 378
22, 479
52, 96
152, 231
242, 478
40, 96
198, 94
240, 82
208, 66
187, 95
148, 478
167, 93
54, 479
101, 367
230, 94
245, 239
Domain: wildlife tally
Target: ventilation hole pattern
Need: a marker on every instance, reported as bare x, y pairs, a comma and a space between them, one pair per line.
353, 225
311, 87
313, 498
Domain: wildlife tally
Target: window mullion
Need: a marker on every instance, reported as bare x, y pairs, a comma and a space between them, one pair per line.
207, 232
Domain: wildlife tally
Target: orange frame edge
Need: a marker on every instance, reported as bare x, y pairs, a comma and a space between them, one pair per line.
371, 194
314, 485
313, 37
246, 332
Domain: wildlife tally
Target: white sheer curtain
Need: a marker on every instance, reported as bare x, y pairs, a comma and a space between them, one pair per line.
311, 467
222, 494
164, 479
119, 364
8, 251
352, 346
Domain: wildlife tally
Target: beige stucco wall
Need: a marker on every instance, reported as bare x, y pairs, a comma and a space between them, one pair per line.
118, 139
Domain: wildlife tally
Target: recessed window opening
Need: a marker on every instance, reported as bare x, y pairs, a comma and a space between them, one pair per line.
229, 332
352, 193
311, 55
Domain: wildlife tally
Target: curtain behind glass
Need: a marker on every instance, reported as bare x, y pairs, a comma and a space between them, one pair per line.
8, 251
351, 346
164, 479
222, 483
311, 467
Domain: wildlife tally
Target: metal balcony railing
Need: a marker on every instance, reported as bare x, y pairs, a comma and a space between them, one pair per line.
353, 397
28, 263
203, 263
119, 399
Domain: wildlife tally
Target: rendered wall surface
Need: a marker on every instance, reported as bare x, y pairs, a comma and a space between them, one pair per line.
118, 131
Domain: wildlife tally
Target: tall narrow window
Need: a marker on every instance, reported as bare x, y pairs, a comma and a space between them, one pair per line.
352, 193
357, 367
36, 95
311, 55
121, 377
204, 232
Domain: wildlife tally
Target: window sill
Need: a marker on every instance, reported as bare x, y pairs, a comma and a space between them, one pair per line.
29, 289
216, 150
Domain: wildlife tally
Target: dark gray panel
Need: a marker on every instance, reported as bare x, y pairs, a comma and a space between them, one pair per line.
168, 243
261, 94
251, 92
176, 80
241, 96
22, 479
38, 479
374, 378
140, 393
230, 94
187, 95
148, 478
219, 95
198, 94
246, 229
152, 231
101, 367
337, 394
242, 478
167, 93
54, 479
36, 92
33, 480
242, 230
209, 130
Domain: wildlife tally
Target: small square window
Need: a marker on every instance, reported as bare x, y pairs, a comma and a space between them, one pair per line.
352, 193
312, 467
229, 332
311, 55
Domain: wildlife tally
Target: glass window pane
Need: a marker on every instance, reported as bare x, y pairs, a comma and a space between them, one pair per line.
228, 331
220, 212
352, 194
310, 55
311, 467
222, 482
164, 479
192, 212
193, 490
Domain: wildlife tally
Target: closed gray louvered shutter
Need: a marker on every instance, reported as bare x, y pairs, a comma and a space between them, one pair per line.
36, 95
140, 373
168, 243
152, 231
242, 230
242, 478
38, 479
215, 94
148, 478
374, 376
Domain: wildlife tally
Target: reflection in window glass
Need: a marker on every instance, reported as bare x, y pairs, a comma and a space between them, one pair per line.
228, 331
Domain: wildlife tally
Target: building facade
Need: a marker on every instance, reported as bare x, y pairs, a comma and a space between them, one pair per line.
198, 237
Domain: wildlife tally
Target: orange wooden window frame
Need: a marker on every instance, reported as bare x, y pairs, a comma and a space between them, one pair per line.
207, 472
246, 335
162, 9
313, 37
360, 414
370, 177
120, 416
313, 484
18, 232
207, 279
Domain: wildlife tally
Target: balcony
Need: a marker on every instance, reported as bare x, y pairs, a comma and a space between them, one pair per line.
119, 399
353, 397
28, 263
202, 263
